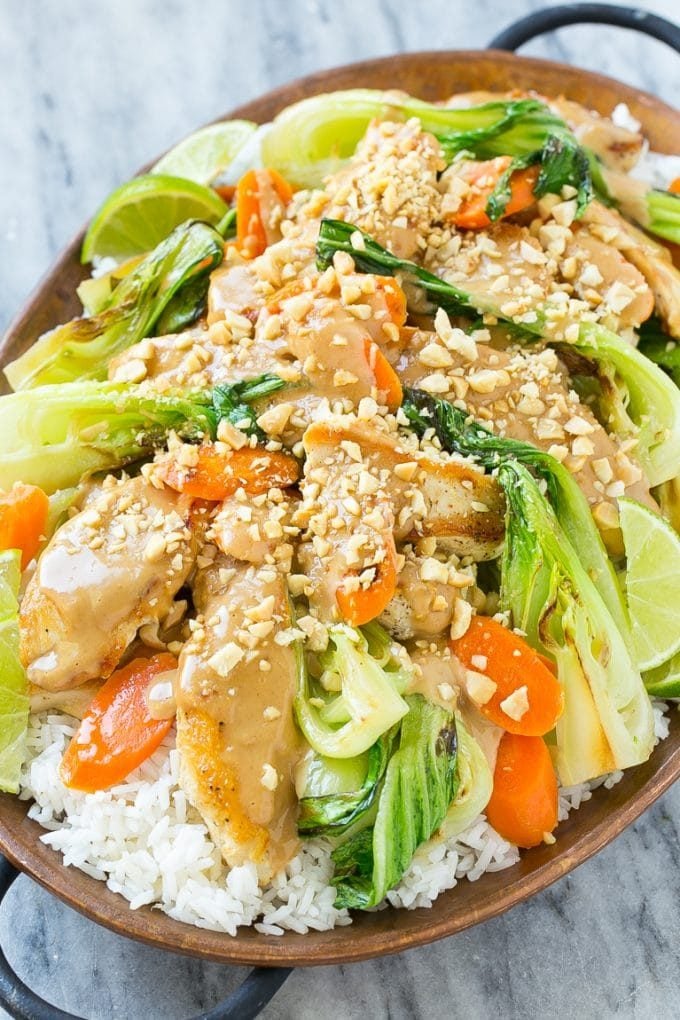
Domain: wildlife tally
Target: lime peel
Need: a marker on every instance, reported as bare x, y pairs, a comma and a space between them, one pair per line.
14, 704
652, 583
205, 154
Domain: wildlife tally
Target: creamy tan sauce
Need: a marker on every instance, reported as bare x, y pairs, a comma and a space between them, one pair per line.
247, 716
83, 605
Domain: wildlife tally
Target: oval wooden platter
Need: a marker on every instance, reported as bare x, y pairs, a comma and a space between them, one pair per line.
431, 76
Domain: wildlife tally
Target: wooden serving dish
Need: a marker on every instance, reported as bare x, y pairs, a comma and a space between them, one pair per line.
432, 76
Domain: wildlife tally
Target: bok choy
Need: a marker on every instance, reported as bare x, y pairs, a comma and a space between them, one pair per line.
419, 784
167, 287
53, 435
355, 700
458, 432
607, 721
636, 399
371, 257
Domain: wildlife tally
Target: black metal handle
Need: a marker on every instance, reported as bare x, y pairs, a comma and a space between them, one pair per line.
550, 18
20, 1002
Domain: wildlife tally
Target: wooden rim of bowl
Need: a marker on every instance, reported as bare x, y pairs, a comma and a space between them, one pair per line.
430, 75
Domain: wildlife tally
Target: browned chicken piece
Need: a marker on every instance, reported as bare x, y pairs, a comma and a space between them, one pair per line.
107, 571
363, 490
617, 147
527, 396
389, 188
201, 358
651, 258
423, 604
236, 736
598, 268
73, 702
254, 529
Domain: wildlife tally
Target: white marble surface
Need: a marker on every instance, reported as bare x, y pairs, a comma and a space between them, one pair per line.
88, 92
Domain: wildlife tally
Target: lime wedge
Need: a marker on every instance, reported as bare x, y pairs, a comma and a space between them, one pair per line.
204, 155
652, 583
13, 687
140, 214
664, 681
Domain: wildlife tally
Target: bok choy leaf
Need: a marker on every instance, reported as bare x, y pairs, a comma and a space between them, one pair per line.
332, 813
53, 435
419, 785
371, 257
353, 703
458, 432
172, 280
636, 400
607, 721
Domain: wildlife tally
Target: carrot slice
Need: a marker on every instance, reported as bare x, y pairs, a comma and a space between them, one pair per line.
216, 475
386, 379
483, 178
489, 648
674, 186
117, 733
256, 190
364, 604
394, 298
23, 516
523, 804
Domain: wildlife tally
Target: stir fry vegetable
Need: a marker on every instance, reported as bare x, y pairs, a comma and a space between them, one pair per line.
57, 434
173, 278
13, 693
420, 783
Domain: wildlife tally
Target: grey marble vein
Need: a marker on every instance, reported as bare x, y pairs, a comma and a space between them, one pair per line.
89, 91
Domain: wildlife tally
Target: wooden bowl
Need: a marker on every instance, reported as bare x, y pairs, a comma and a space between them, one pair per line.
431, 76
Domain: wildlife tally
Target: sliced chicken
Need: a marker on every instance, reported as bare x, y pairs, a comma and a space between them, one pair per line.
651, 258
527, 396
425, 599
598, 270
363, 489
73, 702
107, 571
236, 735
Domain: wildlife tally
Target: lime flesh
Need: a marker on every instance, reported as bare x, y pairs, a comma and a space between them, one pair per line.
140, 214
204, 155
13, 687
652, 583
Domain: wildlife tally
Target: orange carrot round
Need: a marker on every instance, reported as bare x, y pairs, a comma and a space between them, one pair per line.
674, 186
523, 804
23, 516
489, 648
394, 298
255, 191
386, 379
365, 604
216, 475
483, 178
117, 733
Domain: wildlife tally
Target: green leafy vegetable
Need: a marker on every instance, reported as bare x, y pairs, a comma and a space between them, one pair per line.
335, 235
419, 785
354, 701
458, 432
663, 210
234, 402
607, 721
170, 277
660, 348
56, 434
563, 163
475, 783
636, 399
332, 813
13, 686
656, 210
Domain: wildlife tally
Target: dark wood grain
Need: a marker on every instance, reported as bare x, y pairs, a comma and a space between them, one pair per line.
431, 76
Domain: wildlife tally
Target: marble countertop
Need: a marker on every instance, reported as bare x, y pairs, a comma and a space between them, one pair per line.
89, 93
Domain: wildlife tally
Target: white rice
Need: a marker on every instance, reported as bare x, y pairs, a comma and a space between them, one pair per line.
150, 846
